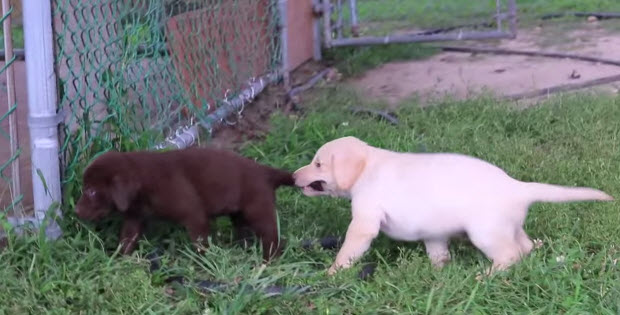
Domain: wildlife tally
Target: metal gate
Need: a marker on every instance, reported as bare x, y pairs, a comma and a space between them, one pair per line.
337, 31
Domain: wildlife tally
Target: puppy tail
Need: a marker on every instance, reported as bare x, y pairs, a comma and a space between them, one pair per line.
554, 193
280, 177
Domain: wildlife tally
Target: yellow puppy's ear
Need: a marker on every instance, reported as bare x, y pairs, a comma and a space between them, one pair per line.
347, 166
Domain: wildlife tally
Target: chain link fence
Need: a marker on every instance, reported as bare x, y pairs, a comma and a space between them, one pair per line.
376, 17
353, 18
132, 72
379, 22
11, 195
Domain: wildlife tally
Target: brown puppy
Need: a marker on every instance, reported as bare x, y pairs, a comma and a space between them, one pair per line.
188, 186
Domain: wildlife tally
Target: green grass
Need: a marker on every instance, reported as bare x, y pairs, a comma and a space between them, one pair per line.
18, 37
571, 141
352, 61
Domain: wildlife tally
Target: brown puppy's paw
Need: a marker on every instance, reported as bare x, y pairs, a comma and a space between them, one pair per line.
274, 253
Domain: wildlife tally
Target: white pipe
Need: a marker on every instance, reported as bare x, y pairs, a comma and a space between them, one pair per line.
42, 117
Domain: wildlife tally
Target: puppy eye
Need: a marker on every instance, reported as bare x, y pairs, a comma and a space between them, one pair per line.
317, 164
91, 193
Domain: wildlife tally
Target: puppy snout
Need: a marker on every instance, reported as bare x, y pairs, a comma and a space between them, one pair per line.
79, 212
296, 177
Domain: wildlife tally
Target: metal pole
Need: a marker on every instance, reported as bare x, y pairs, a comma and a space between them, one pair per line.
42, 119
339, 21
327, 28
498, 14
10, 86
512, 17
316, 30
355, 30
400, 39
283, 13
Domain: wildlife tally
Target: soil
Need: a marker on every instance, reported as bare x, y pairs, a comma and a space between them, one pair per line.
463, 75
254, 122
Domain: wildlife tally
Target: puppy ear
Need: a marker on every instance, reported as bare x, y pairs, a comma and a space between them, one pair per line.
123, 191
347, 166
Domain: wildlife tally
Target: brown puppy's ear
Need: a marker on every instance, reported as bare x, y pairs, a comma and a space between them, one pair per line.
347, 166
123, 191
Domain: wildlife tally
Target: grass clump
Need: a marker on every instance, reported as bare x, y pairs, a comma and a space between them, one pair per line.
569, 141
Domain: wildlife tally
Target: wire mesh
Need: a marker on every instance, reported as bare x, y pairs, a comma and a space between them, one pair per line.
130, 72
11, 195
385, 17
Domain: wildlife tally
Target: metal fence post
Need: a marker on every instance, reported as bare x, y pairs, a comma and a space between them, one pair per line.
355, 29
316, 28
512, 17
283, 23
42, 117
327, 25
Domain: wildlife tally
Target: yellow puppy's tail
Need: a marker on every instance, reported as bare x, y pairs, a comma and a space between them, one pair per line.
539, 192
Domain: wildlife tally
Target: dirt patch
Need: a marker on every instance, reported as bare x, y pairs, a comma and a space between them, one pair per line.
464, 75
254, 122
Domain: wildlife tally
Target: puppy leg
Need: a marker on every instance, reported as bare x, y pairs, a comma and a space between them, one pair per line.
261, 217
525, 242
198, 229
498, 242
130, 233
359, 236
437, 250
243, 232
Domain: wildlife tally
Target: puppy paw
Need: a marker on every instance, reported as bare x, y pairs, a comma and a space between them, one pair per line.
440, 261
438, 265
332, 270
538, 243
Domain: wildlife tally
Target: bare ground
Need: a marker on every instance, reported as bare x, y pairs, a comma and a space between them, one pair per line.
463, 75
254, 122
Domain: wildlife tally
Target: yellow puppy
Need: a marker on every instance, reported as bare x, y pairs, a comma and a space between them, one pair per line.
429, 197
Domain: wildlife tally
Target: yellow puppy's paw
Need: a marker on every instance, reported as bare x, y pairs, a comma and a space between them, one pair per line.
332, 270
